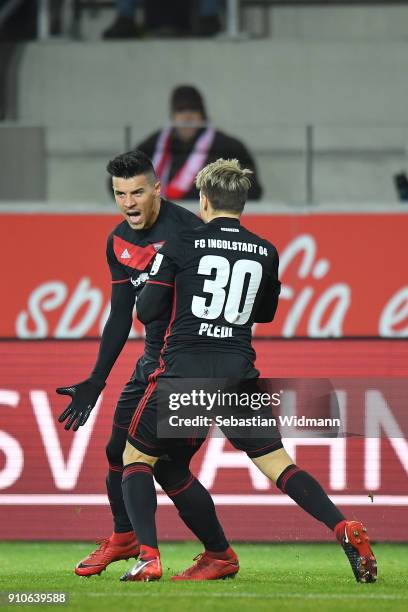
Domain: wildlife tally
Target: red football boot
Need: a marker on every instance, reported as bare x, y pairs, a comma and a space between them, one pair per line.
208, 568
145, 570
356, 545
107, 552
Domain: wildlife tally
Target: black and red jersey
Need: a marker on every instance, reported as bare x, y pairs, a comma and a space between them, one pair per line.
222, 278
130, 254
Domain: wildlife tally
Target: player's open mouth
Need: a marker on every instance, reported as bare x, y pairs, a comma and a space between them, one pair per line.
135, 216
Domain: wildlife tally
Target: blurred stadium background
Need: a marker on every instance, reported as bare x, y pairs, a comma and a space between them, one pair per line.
318, 90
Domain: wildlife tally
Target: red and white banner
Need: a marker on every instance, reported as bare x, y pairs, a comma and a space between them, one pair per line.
342, 274
52, 481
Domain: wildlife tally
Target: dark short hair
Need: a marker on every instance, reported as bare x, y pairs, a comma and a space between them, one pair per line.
132, 163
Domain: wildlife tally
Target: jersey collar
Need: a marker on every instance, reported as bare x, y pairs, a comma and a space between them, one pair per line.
228, 221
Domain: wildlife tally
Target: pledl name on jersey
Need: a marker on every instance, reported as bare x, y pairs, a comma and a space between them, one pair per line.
215, 331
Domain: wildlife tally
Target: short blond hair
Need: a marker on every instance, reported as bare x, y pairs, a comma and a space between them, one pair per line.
225, 184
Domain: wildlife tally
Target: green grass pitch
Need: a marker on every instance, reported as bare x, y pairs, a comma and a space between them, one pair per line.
284, 577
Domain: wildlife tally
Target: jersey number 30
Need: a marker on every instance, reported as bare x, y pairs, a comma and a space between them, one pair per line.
236, 309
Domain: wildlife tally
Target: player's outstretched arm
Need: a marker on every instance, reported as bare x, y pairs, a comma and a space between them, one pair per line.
116, 331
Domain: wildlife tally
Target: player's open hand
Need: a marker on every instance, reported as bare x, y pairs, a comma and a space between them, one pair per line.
84, 397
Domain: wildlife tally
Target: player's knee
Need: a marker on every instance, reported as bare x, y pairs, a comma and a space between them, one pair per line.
274, 463
133, 455
169, 473
162, 472
114, 450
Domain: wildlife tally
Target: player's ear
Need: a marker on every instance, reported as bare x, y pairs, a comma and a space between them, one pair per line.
202, 207
204, 202
157, 187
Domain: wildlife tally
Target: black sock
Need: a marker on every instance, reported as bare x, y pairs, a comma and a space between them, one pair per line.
121, 522
140, 499
193, 502
196, 508
309, 495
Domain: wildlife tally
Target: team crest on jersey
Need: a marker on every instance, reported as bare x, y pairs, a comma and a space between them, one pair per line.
156, 264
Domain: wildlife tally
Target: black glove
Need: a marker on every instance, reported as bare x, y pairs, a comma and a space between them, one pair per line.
84, 397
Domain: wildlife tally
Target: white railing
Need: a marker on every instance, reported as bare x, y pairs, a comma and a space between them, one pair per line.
43, 19
317, 158
252, 208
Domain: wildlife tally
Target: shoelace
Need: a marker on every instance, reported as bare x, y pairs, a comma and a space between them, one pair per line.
197, 565
103, 543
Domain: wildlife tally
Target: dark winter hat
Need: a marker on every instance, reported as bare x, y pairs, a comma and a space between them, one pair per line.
187, 97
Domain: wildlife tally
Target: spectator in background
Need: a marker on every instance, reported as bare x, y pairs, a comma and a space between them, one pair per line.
165, 18
180, 150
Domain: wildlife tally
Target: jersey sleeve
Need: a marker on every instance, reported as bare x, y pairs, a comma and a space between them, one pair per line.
157, 295
118, 274
119, 323
166, 263
116, 330
266, 305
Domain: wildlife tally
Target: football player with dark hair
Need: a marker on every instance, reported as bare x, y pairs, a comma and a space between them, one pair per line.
149, 221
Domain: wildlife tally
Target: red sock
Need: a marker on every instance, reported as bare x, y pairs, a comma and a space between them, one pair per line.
122, 538
339, 530
147, 552
226, 555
